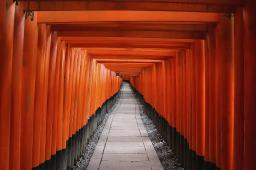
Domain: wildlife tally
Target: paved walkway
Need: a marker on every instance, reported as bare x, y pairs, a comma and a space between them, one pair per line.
124, 142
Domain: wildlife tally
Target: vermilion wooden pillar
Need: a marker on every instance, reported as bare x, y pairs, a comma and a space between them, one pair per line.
199, 63
188, 94
40, 91
46, 53
80, 73
50, 97
177, 94
154, 90
249, 16
211, 96
72, 66
168, 91
56, 101
172, 93
83, 90
181, 117
193, 101
164, 90
6, 47
239, 91
74, 99
92, 88
88, 87
17, 88
61, 97
225, 98
67, 85
28, 87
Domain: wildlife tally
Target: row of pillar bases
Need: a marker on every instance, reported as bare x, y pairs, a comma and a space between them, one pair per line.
178, 143
66, 158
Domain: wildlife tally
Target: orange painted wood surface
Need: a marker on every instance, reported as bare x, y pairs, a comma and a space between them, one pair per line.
249, 85
43, 82
28, 92
7, 11
15, 138
193, 63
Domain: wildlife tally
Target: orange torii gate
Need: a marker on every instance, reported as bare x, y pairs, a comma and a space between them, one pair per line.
192, 60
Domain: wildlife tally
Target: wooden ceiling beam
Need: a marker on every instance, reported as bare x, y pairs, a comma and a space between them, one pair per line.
135, 34
126, 52
128, 61
135, 56
52, 17
163, 5
125, 69
127, 39
128, 64
128, 45
131, 26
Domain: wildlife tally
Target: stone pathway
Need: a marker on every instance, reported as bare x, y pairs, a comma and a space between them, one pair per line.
124, 143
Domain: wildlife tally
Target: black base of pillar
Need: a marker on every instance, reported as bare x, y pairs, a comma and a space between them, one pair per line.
187, 157
66, 158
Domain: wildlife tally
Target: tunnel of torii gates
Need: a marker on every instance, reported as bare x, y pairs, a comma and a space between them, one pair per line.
194, 62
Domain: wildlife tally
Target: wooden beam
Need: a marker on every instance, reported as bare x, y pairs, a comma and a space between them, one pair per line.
136, 34
134, 56
127, 42
126, 52
128, 61
135, 16
174, 5
127, 39
127, 45
127, 67
131, 26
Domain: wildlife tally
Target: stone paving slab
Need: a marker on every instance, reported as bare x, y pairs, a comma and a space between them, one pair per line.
125, 157
125, 139
124, 142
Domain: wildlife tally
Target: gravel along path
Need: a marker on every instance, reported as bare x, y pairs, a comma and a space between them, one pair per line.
124, 115
166, 155
84, 160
